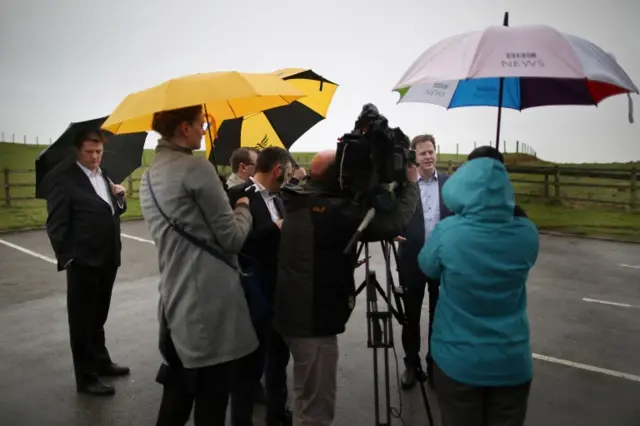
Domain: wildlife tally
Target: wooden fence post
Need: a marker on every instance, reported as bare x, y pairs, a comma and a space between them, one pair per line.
7, 188
556, 182
130, 185
633, 188
546, 184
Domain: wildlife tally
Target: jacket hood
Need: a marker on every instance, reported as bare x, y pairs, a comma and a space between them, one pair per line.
480, 188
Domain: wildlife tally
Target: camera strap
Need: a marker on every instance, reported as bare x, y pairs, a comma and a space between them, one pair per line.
190, 237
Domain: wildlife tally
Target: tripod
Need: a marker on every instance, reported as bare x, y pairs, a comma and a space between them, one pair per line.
380, 330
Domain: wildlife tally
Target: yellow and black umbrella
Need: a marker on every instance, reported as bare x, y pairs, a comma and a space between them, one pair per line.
279, 126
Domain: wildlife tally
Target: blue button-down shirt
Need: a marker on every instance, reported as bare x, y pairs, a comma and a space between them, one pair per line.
430, 197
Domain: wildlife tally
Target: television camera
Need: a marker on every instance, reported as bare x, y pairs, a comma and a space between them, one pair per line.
371, 163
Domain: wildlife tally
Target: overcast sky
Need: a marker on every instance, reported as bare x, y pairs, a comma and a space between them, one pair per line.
71, 60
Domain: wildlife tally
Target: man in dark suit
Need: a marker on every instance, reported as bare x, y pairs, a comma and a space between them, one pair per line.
83, 225
259, 256
429, 211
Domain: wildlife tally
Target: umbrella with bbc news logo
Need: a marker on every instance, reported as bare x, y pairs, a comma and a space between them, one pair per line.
514, 67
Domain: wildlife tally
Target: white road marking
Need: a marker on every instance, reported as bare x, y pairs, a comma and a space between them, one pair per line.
29, 252
624, 265
133, 237
586, 367
604, 302
50, 260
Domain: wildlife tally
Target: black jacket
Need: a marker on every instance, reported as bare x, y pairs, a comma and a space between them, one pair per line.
414, 234
260, 250
315, 294
80, 224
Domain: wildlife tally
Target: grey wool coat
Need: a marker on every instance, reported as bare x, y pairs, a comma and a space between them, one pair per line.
200, 296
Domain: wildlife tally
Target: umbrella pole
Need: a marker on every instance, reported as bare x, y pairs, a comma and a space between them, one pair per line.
505, 22
500, 89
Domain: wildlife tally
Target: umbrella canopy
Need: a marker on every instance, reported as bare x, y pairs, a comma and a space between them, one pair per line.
280, 126
224, 95
514, 67
540, 66
122, 154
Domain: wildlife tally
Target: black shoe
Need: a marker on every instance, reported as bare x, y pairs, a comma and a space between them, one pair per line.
429, 373
408, 379
113, 370
95, 387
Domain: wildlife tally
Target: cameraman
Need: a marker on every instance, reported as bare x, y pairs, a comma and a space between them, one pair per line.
315, 294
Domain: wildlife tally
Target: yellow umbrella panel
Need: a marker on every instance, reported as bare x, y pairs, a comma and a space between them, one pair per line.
225, 95
280, 126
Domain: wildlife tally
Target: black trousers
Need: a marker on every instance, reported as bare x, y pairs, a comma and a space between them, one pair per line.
203, 390
89, 292
414, 285
271, 359
465, 405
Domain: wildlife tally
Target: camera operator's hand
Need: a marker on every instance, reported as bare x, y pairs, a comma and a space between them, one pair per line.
243, 200
279, 224
412, 173
400, 238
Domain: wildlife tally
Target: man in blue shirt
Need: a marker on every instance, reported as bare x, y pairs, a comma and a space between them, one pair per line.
429, 211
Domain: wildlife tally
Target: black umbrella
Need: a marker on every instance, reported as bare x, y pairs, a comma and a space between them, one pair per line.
122, 154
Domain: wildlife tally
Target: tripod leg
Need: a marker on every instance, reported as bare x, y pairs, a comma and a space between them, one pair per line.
421, 379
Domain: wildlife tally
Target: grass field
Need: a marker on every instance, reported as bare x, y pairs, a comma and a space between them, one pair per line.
581, 218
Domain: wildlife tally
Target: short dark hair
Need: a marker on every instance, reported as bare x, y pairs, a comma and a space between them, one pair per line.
166, 122
270, 157
240, 156
94, 135
421, 139
486, 151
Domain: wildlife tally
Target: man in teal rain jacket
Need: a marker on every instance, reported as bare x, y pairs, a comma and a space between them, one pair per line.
481, 340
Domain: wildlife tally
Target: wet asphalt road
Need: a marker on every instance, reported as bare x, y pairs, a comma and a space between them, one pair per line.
591, 379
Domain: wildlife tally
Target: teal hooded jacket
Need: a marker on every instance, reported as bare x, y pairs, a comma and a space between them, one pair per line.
482, 256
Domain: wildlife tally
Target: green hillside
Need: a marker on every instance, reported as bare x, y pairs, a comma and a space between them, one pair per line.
25, 211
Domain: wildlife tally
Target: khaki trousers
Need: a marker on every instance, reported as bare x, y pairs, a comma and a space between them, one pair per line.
315, 366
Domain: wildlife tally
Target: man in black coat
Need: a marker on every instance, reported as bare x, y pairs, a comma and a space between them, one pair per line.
259, 256
83, 225
429, 210
316, 290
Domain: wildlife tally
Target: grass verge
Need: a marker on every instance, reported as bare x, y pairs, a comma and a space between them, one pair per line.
583, 219
567, 218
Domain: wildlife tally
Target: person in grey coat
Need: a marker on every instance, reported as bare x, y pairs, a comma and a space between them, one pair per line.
205, 324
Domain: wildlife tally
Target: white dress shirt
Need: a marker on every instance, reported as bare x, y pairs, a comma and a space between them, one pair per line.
430, 198
99, 184
268, 200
